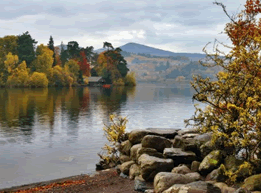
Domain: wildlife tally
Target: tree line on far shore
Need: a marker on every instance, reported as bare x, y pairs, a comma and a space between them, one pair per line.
23, 64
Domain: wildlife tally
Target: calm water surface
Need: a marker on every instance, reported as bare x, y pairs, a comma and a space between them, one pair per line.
53, 133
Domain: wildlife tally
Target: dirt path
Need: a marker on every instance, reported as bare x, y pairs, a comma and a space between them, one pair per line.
105, 181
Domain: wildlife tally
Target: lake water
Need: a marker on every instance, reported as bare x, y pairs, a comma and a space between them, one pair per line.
54, 133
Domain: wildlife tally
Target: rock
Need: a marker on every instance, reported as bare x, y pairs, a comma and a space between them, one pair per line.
123, 175
124, 158
181, 169
149, 191
164, 180
157, 142
210, 162
189, 135
150, 166
118, 169
195, 166
216, 175
242, 190
164, 132
224, 188
134, 171
125, 167
136, 136
140, 185
232, 163
203, 138
185, 131
206, 148
174, 189
194, 176
125, 147
178, 142
133, 151
253, 183
179, 156
149, 151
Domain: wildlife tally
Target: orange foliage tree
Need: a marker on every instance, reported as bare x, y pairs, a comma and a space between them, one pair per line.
84, 64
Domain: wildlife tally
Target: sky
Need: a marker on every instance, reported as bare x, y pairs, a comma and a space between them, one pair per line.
176, 25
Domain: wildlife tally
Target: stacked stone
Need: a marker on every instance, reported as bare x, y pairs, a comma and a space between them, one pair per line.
178, 161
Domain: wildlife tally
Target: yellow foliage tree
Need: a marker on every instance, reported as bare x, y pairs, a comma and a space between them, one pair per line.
38, 79
233, 112
72, 67
59, 77
19, 76
44, 60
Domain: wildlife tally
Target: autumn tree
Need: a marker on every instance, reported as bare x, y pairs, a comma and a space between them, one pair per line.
10, 63
19, 77
84, 64
73, 67
26, 47
8, 44
44, 60
233, 101
51, 47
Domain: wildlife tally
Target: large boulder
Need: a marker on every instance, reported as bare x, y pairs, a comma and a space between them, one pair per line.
217, 175
195, 166
210, 162
133, 151
125, 147
124, 158
224, 188
134, 171
186, 131
150, 166
194, 187
181, 169
164, 180
206, 148
149, 151
253, 183
179, 156
136, 136
125, 167
157, 142
178, 142
169, 133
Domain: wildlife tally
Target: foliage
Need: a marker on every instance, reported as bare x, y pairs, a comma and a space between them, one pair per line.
8, 44
38, 79
57, 76
19, 76
84, 65
64, 56
73, 49
233, 101
26, 47
118, 82
130, 79
44, 60
115, 134
73, 68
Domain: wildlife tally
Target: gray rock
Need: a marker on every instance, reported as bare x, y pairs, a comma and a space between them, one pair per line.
125, 167
123, 175
224, 188
125, 147
124, 158
206, 148
253, 183
203, 138
174, 189
149, 151
243, 190
181, 169
133, 151
178, 142
199, 187
156, 142
195, 166
185, 131
169, 133
216, 175
149, 191
150, 166
140, 185
189, 135
136, 136
194, 176
134, 171
164, 180
210, 162
179, 156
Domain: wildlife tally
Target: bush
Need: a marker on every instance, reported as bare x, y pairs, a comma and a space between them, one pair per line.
19, 76
118, 82
130, 79
114, 133
38, 79
59, 77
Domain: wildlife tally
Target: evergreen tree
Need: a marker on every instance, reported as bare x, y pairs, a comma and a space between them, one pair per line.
51, 47
64, 54
26, 48
73, 49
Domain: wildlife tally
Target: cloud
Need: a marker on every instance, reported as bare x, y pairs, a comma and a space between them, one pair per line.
176, 25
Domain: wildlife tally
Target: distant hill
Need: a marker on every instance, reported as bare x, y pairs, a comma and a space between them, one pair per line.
142, 49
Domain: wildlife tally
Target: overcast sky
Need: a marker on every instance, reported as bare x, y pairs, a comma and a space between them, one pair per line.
177, 25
